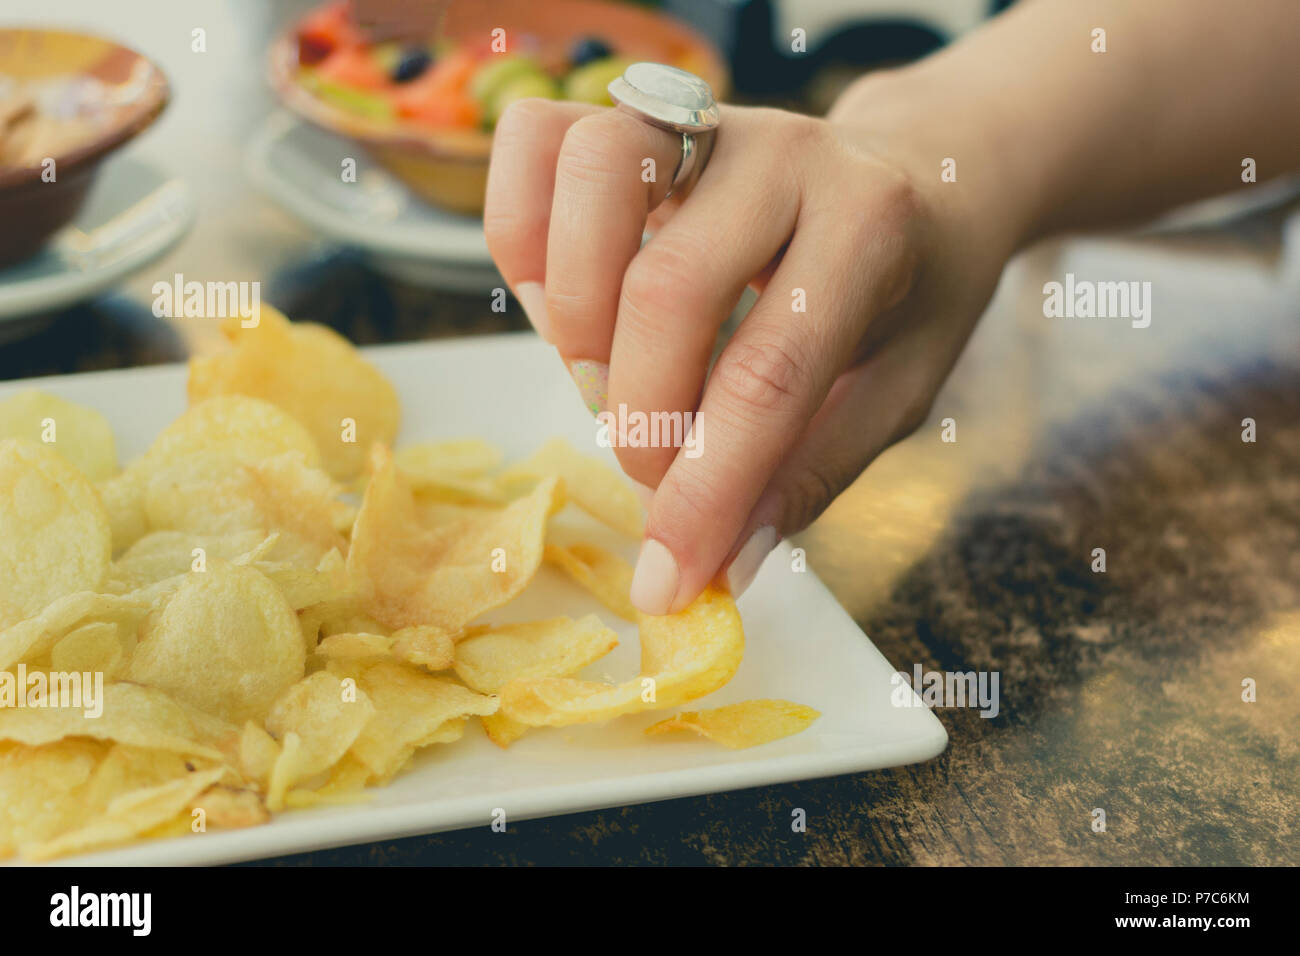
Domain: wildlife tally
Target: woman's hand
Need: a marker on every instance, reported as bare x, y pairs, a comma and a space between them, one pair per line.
1049, 131
872, 274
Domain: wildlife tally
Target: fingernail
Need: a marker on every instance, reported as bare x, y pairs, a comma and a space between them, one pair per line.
741, 573
532, 297
592, 379
644, 492
654, 583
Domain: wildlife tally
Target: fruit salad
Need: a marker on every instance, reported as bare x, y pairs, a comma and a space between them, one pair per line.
445, 84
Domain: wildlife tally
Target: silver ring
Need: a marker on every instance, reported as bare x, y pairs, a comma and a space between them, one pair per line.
676, 101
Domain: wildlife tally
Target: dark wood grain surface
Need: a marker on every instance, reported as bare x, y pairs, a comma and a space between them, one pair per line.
1119, 690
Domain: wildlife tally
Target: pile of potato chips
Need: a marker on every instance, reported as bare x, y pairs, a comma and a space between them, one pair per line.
280, 611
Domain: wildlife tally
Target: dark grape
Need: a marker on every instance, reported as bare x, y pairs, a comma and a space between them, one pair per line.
413, 62
588, 49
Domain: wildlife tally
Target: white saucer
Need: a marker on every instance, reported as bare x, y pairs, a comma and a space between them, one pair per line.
136, 212
299, 166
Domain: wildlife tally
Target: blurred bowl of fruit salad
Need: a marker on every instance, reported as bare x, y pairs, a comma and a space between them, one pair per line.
425, 106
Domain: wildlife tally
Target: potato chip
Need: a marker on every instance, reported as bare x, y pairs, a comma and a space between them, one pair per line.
555, 647
351, 646
458, 458
607, 576
465, 492
80, 434
316, 720
227, 808
35, 636
345, 786
593, 486
160, 555
54, 532
93, 647
411, 711
245, 427
447, 575
216, 494
431, 512
235, 427
123, 500
126, 768
257, 753
132, 714
742, 725
312, 373
449, 732
41, 789
683, 656
503, 730
424, 646
179, 825
128, 816
227, 643
304, 588
338, 614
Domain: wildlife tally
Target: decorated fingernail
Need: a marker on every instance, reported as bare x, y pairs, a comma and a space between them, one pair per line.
532, 297
742, 571
592, 379
654, 583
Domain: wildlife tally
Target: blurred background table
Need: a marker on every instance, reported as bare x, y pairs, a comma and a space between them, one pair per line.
1120, 691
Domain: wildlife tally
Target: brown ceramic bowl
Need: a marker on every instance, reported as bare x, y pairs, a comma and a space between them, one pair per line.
448, 168
134, 93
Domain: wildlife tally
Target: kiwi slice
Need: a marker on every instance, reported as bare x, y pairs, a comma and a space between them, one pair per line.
498, 73
521, 88
589, 83
346, 97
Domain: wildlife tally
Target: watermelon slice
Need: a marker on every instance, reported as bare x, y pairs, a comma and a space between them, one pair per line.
356, 67
325, 30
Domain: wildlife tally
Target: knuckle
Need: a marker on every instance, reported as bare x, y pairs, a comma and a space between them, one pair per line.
767, 375
659, 280
896, 195
789, 124
887, 225
566, 305
520, 123
589, 153
507, 230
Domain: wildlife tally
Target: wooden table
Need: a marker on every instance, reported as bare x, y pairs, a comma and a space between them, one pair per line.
1119, 690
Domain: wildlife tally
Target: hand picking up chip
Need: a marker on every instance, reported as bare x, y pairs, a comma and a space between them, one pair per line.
272, 608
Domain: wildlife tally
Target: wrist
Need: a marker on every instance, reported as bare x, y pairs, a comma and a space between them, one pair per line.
960, 155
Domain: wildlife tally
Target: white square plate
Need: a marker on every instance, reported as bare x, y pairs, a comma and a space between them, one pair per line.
800, 645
